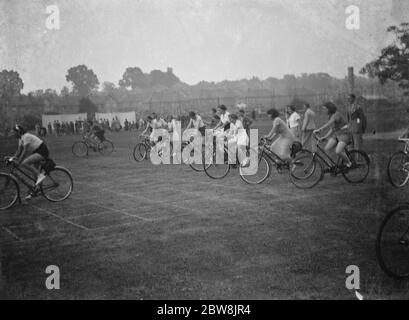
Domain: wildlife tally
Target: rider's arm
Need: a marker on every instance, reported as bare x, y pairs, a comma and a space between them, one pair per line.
18, 152
329, 133
22, 154
327, 125
146, 129
273, 132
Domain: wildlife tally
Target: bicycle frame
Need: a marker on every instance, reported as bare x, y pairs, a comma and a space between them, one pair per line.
19, 179
331, 164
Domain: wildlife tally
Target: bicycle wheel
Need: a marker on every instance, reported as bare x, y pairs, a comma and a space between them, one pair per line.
212, 168
9, 191
58, 185
80, 149
305, 170
106, 147
199, 167
140, 152
392, 243
261, 175
360, 167
398, 169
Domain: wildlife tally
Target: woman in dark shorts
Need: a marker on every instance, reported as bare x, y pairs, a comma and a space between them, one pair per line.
31, 151
338, 134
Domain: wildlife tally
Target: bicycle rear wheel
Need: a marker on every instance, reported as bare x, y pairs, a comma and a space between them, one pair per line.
9, 191
140, 152
106, 147
80, 149
58, 185
392, 243
262, 173
305, 170
398, 169
360, 167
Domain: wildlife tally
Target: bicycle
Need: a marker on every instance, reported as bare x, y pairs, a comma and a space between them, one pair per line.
81, 148
269, 159
57, 186
266, 159
142, 150
398, 166
392, 243
309, 168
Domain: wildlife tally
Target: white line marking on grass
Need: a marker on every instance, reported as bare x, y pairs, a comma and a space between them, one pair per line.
11, 233
59, 217
136, 197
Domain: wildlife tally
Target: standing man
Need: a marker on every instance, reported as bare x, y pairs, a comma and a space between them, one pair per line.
293, 121
356, 122
307, 128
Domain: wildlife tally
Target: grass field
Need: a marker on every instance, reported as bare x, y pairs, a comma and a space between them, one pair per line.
138, 231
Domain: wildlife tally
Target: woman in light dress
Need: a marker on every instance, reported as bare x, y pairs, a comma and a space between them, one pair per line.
281, 134
237, 139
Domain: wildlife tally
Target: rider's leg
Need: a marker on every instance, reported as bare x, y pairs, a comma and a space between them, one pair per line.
330, 145
340, 151
30, 163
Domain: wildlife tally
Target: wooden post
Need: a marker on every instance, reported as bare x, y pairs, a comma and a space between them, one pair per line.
351, 80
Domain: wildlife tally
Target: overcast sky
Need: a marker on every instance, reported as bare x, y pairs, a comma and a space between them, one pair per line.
208, 40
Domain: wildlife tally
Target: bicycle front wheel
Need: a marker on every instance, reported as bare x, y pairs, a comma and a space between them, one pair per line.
398, 169
215, 169
80, 149
106, 147
9, 191
392, 243
58, 185
360, 167
305, 170
140, 152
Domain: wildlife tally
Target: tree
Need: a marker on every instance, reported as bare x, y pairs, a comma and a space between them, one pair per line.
10, 85
88, 107
133, 78
393, 63
64, 91
84, 80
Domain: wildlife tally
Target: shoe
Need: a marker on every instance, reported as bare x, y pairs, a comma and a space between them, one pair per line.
31, 195
40, 178
245, 163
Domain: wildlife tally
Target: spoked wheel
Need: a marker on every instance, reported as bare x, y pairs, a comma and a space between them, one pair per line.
140, 152
392, 243
9, 191
58, 185
199, 167
360, 167
214, 167
305, 170
80, 149
106, 147
257, 175
398, 169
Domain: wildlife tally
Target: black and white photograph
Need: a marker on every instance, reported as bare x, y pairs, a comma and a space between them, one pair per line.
204, 150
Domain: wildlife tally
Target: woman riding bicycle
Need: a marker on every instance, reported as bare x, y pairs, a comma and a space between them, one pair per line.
30, 152
338, 135
282, 135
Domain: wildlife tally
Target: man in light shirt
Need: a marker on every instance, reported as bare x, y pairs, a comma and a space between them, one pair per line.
294, 121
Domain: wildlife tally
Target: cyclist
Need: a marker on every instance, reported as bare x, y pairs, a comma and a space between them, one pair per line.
237, 138
338, 135
282, 135
96, 133
30, 152
196, 122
